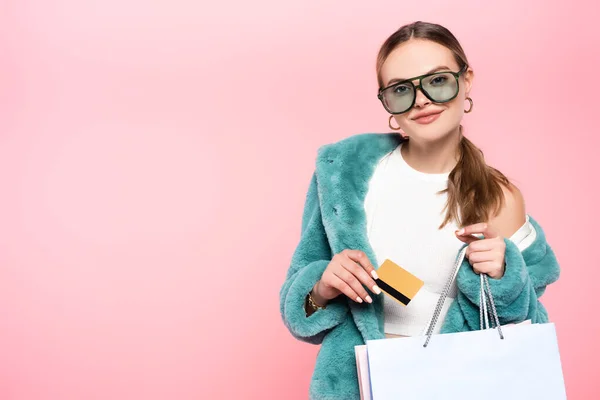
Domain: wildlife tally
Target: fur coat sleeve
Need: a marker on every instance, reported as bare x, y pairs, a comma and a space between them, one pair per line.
311, 257
516, 294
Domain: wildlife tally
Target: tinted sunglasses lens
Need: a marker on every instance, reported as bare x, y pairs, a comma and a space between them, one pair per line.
399, 98
441, 87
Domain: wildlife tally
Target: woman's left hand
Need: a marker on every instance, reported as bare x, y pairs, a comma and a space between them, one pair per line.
485, 255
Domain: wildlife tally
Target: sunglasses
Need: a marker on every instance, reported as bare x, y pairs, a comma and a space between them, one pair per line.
439, 87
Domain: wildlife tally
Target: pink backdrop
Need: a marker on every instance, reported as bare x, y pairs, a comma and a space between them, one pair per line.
154, 160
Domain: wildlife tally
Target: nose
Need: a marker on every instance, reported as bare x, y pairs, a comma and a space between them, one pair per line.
421, 100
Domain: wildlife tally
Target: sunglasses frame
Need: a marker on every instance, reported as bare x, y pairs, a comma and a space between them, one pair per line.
419, 86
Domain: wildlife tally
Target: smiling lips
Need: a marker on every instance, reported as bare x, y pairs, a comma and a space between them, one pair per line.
427, 118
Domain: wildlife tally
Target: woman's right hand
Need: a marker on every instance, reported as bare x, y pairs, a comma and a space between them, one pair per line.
347, 272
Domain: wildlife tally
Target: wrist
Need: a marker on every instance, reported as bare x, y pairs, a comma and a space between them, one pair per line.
316, 296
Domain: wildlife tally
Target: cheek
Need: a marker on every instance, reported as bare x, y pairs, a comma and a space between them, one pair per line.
402, 120
454, 112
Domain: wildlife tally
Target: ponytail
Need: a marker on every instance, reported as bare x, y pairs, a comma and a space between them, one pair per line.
474, 188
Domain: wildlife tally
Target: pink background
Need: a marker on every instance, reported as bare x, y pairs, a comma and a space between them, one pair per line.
154, 158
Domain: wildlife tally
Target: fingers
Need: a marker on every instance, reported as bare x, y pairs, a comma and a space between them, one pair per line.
361, 258
353, 269
490, 268
356, 276
483, 256
351, 285
482, 227
358, 263
363, 270
468, 239
495, 246
480, 245
344, 288
489, 262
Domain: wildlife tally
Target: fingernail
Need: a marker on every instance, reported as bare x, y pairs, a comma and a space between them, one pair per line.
460, 231
376, 289
374, 275
359, 299
369, 299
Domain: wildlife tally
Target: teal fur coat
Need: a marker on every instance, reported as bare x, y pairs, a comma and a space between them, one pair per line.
333, 220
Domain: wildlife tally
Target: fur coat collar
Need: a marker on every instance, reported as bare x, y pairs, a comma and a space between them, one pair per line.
343, 172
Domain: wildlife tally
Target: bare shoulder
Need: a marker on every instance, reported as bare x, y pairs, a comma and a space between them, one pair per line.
512, 215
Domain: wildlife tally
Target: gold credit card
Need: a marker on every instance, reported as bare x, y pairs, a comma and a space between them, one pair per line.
398, 282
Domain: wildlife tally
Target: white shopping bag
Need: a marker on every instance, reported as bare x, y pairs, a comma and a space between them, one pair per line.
362, 366
508, 362
469, 365
362, 369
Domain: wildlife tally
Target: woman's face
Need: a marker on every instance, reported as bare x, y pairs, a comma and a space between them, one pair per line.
418, 57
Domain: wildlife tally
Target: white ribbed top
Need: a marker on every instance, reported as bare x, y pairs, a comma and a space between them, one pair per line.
404, 211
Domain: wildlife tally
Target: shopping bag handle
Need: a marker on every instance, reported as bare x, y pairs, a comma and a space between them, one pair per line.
485, 297
486, 290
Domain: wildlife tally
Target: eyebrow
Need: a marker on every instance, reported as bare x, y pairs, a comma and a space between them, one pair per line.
436, 69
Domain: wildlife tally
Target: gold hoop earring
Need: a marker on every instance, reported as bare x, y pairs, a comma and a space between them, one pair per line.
390, 124
470, 105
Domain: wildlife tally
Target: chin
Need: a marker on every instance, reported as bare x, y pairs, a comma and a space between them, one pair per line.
431, 133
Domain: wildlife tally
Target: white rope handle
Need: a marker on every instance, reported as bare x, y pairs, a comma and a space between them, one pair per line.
438, 308
483, 310
485, 293
490, 298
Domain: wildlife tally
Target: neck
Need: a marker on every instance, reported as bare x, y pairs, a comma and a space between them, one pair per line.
432, 157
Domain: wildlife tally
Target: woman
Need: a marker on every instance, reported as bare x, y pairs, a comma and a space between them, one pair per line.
417, 199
